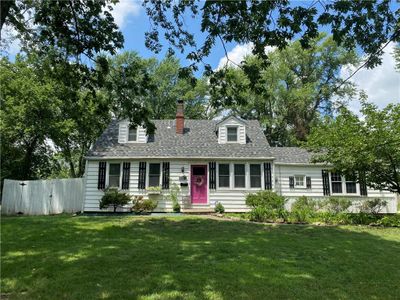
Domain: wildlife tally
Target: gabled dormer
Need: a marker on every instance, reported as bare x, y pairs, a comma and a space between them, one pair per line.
131, 134
231, 130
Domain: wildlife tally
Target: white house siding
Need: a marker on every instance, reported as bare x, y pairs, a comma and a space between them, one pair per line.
123, 133
222, 131
283, 172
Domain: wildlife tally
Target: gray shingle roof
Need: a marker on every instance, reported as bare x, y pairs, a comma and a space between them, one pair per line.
199, 140
292, 155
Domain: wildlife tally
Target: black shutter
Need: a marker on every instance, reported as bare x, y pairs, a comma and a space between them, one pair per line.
126, 168
267, 176
142, 175
165, 176
363, 185
213, 175
308, 182
101, 180
325, 183
291, 182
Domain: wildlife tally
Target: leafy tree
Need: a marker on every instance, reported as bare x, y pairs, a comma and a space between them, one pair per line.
369, 146
27, 111
292, 91
273, 23
396, 55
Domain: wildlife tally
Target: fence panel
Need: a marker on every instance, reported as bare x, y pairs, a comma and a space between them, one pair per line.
42, 197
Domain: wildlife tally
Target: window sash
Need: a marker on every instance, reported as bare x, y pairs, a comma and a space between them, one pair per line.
255, 175
223, 175
299, 181
154, 175
132, 134
240, 175
336, 181
232, 134
114, 174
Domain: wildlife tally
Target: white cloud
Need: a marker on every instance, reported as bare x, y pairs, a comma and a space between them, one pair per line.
10, 44
238, 54
381, 84
125, 9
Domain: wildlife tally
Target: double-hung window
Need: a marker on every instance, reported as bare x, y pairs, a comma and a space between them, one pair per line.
132, 134
114, 175
336, 180
232, 134
240, 175
223, 175
299, 181
255, 175
154, 174
351, 185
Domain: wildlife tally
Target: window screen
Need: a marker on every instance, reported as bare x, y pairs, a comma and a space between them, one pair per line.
240, 176
255, 176
232, 134
113, 175
154, 174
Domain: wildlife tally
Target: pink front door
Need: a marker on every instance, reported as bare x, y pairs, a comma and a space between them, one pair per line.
198, 184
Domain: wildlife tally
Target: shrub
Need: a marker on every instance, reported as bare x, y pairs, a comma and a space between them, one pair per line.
174, 197
373, 206
219, 208
113, 198
302, 210
337, 205
268, 203
141, 205
389, 221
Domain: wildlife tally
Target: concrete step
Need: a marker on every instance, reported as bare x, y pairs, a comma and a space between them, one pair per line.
197, 211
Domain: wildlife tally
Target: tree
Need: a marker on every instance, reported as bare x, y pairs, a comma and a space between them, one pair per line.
367, 146
145, 89
293, 90
273, 23
27, 110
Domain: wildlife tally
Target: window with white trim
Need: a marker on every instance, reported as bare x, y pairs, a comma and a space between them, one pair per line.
239, 175
351, 187
232, 134
132, 134
336, 182
223, 175
255, 175
114, 175
154, 175
299, 180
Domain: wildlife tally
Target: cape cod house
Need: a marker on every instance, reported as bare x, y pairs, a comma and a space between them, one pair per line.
212, 161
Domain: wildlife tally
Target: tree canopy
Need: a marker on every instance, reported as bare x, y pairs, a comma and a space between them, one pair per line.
368, 145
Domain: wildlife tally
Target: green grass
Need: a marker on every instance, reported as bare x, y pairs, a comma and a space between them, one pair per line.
64, 257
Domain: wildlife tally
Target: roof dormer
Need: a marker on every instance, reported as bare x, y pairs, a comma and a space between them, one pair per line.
131, 134
231, 130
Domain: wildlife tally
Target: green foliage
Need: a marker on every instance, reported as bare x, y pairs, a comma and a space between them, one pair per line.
266, 206
368, 146
302, 210
154, 189
141, 205
373, 206
219, 208
173, 196
114, 198
336, 205
389, 221
287, 107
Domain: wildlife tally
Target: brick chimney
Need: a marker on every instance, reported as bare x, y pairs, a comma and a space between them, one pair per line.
180, 119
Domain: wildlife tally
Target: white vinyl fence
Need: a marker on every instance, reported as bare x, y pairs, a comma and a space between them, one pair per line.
42, 197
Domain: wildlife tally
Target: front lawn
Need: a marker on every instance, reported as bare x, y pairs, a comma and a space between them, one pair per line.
64, 257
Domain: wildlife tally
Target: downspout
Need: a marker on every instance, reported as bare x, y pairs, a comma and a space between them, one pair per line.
84, 186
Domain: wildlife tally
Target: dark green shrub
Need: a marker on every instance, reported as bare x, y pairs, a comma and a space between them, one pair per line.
337, 205
113, 198
176, 207
219, 208
362, 218
389, 221
373, 206
173, 196
141, 205
266, 206
302, 210
325, 217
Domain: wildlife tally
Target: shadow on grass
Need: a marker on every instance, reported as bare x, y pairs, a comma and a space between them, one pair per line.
194, 258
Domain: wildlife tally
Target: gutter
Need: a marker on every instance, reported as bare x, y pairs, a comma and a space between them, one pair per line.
174, 158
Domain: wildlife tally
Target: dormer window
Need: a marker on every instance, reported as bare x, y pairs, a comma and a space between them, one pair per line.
232, 134
132, 135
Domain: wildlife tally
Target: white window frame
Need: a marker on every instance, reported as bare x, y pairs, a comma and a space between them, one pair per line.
148, 173
237, 133
247, 176
224, 187
137, 135
261, 175
304, 186
108, 173
344, 190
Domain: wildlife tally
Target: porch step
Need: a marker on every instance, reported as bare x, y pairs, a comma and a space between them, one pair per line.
197, 211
